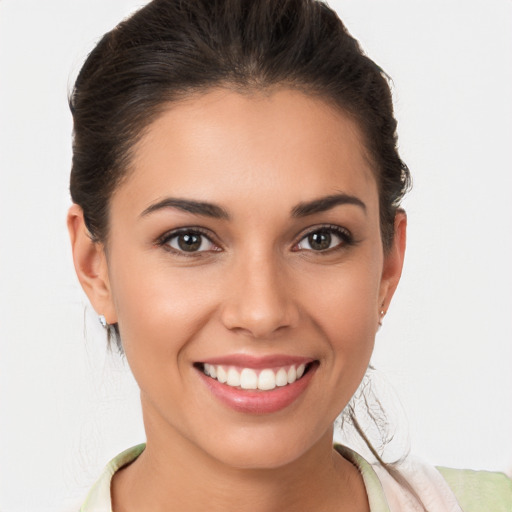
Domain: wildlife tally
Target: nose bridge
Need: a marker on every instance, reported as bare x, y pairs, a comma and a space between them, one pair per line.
260, 297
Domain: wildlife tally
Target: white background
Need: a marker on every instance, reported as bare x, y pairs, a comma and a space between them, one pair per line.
67, 406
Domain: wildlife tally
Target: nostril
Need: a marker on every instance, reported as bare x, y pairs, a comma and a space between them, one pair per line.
259, 304
258, 322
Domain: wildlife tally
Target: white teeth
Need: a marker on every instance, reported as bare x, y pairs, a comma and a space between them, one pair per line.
292, 375
266, 380
233, 378
248, 378
221, 375
281, 377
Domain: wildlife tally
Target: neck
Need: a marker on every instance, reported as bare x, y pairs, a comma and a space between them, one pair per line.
174, 474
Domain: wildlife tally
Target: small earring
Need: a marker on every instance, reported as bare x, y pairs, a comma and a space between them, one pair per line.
102, 321
382, 313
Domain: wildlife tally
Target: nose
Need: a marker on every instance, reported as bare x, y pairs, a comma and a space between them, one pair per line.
260, 299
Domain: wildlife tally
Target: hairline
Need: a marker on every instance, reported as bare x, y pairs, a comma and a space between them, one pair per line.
245, 88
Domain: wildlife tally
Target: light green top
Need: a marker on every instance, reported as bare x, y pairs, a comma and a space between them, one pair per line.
480, 490
441, 489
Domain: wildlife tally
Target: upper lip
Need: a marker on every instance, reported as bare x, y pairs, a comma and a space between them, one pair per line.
258, 362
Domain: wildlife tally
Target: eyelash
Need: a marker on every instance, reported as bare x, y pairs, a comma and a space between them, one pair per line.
164, 240
342, 233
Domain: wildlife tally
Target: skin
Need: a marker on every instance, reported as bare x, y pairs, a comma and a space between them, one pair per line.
258, 288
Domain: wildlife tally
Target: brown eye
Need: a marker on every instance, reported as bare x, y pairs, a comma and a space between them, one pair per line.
320, 241
190, 241
324, 239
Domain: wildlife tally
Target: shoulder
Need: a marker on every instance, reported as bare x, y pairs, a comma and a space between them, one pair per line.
479, 491
404, 485
98, 499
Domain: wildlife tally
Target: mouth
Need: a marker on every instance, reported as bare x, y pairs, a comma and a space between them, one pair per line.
262, 379
257, 386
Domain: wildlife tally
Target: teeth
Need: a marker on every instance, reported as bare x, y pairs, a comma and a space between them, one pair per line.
247, 378
281, 377
267, 380
233, 378
221, 375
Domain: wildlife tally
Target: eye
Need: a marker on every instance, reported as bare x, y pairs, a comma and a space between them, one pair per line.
188, 241
324, 238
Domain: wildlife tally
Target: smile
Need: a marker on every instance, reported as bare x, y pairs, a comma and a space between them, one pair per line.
257, 385
264, 379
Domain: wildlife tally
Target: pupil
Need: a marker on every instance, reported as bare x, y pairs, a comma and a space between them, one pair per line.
189, 242
320, 240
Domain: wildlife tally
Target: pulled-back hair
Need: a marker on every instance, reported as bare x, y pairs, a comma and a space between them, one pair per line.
171, 49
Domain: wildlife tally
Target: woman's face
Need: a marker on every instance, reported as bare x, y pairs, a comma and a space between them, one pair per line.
245, 243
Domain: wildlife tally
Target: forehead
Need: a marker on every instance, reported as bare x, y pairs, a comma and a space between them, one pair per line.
239, 145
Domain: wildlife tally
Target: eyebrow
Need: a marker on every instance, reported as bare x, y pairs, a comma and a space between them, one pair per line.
190, 206
325, 203
214, 211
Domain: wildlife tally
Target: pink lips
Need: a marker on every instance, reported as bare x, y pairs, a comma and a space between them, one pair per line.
256, 401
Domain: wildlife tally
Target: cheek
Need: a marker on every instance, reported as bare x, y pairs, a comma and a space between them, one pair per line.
350, 326
348, 293
158, 308
344, 307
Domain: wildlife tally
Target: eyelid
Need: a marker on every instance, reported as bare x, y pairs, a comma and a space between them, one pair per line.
344, 233
163, 240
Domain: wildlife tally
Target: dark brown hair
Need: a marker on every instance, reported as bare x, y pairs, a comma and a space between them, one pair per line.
171, 49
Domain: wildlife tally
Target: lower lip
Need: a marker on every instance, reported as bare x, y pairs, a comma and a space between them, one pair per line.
259, 402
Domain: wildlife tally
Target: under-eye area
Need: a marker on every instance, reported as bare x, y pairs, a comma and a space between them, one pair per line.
261, 379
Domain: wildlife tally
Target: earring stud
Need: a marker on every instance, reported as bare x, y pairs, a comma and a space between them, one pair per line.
382, 313
102, 321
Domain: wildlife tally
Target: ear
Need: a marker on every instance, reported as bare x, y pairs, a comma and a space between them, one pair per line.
90, 265
393, 262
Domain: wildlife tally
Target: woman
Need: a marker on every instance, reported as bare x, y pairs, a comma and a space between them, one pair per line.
237, 227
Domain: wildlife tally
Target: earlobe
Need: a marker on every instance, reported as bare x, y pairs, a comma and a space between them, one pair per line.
90, 265
393, 262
